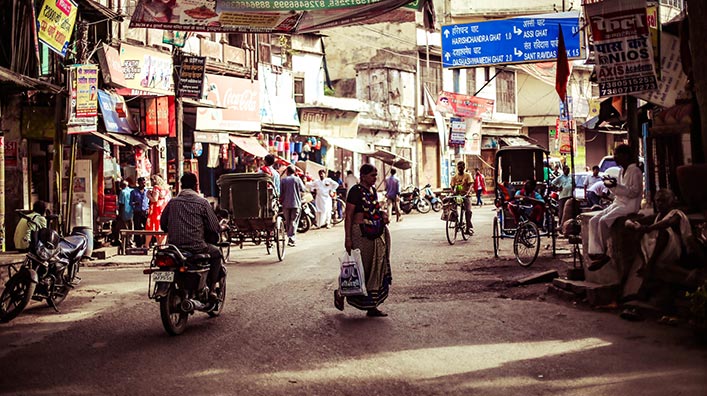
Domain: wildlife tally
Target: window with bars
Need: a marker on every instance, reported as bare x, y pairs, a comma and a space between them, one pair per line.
431, 78
506, 92
299, 89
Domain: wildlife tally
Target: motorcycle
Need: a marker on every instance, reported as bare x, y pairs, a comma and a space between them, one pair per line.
307, 215
412, 199
178, 282
432, 198
49, 271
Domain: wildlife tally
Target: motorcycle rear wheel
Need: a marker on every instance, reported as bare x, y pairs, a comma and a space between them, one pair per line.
221, 292
437, 206
304, 223
14, 299
174, 319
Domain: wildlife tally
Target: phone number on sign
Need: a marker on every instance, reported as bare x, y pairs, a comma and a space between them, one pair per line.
604, 91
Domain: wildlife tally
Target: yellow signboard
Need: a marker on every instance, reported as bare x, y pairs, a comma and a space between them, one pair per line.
56, 22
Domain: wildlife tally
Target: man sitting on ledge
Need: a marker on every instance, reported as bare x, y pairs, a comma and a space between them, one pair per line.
627, 189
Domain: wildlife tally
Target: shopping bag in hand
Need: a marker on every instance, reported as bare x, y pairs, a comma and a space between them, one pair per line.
352, 280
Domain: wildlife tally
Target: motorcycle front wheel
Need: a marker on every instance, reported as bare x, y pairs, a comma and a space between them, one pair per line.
221, 292
437, 206
60, 289
14, 299
423, 205
174, 319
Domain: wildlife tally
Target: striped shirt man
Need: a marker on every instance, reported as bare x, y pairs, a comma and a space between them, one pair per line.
190, 222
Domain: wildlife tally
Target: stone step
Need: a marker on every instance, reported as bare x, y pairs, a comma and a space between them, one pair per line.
105, 252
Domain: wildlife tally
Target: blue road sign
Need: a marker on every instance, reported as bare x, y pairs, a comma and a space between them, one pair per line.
524, 39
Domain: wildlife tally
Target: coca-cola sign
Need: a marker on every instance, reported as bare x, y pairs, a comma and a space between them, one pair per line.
240, 102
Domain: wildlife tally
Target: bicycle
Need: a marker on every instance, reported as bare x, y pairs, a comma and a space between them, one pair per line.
453, 214
338, 210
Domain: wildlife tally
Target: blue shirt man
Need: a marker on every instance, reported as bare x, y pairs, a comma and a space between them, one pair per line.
270, 169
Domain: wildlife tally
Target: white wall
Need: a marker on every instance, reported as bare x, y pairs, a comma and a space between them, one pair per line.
311, 66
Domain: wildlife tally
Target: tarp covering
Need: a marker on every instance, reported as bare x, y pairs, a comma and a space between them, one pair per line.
250, 145
353, 145
392, 159
258, 16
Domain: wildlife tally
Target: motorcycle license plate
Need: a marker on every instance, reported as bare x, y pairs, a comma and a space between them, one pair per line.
163, 276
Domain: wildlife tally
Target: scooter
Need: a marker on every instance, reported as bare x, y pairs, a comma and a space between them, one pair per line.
432, 198
307, 215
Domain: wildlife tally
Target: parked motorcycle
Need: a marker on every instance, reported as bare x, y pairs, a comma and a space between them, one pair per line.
412, 199
432, 198
48, 272
178, 283
307, 214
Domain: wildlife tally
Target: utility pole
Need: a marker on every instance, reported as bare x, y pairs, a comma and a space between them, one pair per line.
179, 116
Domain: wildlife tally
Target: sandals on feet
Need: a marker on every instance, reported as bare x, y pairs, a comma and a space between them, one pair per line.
338, 300
375, 312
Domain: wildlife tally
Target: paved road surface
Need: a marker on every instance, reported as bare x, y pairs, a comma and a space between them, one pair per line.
455, 328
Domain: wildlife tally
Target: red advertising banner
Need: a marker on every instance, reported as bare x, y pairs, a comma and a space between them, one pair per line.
465, 105
257, 16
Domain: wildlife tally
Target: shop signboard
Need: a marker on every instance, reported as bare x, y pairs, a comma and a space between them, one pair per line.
473, 137
673, 80
465, 105
238, 100
86, 91
116, 115
55, 22
525, 39
11, 153
146, 72
624, 53
81, 118
328, 122
111, 66
457, 137
191, 77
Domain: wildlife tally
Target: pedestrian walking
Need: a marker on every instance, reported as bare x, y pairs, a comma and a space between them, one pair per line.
291, 189
158, 196
479, 186
323, 202
365, 228
140, 204
125, 210
565, 183
392, 195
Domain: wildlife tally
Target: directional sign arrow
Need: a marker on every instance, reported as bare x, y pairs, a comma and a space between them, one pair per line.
446, 33
446, 56
516, 52
517, 31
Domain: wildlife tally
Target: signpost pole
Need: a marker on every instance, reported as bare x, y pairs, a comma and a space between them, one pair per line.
179, 118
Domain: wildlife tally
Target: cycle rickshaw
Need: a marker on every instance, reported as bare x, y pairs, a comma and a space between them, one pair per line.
249, 210
514, 165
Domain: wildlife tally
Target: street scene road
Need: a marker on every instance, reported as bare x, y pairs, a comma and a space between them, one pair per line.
456, 326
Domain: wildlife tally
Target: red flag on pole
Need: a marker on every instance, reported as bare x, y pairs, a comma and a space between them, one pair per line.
563, 67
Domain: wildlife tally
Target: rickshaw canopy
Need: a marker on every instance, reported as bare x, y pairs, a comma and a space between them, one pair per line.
516, 164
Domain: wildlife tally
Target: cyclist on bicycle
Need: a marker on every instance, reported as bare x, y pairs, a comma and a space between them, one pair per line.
461, 185
535, 213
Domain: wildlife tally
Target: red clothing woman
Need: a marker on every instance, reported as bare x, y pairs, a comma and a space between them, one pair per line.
158, 196
479, 186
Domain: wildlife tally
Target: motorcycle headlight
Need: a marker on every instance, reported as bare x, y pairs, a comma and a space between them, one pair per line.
43, 252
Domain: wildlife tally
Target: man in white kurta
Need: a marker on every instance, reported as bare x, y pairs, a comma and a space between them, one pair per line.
628, 190
323, 202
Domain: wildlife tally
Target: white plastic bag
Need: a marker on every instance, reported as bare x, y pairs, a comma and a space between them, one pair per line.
352, 279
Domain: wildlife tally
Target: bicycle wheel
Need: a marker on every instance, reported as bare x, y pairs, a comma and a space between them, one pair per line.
463, 226
552, 230
451, 227
335, 218
496, 235
526, 243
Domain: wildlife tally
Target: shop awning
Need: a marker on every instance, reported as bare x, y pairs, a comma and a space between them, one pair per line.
350, 144
249, 145
108, 139
392, 159
131, 140
11, 81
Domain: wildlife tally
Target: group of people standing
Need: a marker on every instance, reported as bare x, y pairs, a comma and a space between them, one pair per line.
140, 208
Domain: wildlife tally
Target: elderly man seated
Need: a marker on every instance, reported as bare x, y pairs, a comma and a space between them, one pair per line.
669, 256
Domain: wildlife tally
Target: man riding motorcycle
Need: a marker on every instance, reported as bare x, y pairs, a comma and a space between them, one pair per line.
191, 224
